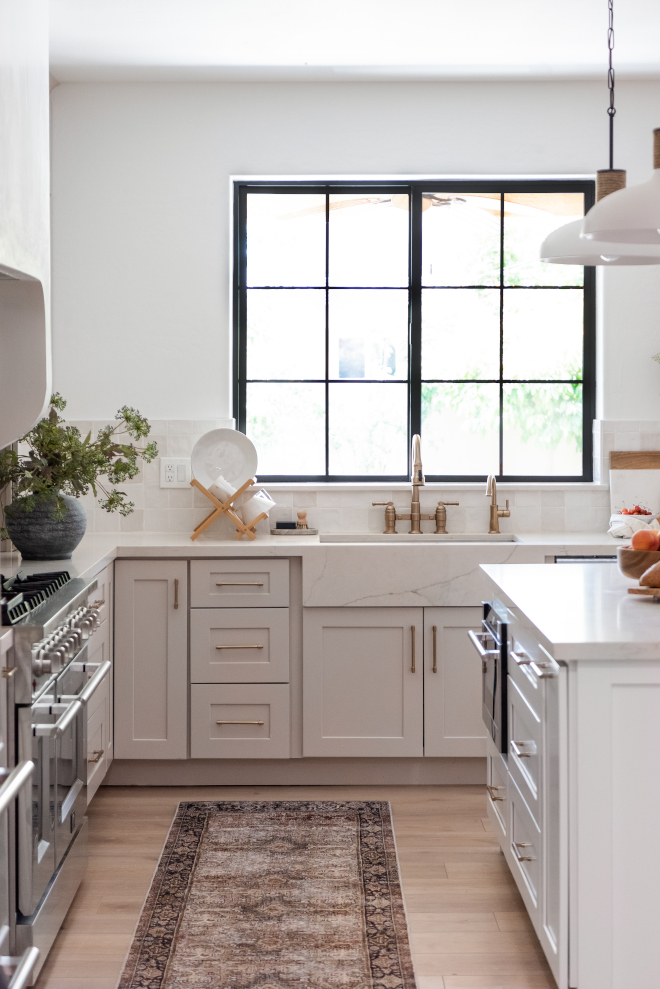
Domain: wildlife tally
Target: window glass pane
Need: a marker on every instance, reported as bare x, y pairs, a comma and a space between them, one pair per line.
286, 333
460, 429
543, 333
369, 240
460, 333
528, 219
460, 238
368, 429
543, 429
368, 333
286, 423
285, 239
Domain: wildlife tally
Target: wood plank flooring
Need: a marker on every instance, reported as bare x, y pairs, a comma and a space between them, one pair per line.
468, 926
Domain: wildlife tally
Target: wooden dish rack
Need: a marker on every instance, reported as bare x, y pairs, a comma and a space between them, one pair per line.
248, 529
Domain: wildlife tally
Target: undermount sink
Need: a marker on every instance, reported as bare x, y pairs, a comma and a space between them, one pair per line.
410, 537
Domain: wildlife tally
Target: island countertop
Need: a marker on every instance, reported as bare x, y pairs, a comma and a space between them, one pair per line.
580, 612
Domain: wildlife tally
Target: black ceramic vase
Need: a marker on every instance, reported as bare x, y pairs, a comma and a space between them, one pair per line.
38, 535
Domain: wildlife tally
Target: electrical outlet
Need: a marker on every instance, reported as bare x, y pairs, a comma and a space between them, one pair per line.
175, 472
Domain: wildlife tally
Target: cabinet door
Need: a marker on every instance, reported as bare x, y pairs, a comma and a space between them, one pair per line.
452, 696
363, 684
98, 734
99, 651
151, 663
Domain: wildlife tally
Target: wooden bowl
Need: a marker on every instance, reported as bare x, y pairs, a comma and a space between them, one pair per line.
634, 562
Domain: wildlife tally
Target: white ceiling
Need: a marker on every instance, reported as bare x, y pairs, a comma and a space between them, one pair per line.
350, 39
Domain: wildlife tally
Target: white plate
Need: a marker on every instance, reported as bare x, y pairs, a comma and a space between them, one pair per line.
225, 452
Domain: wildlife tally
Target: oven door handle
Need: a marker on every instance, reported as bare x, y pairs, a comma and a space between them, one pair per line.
61, 725
24, 969
476, 638
94, 683
15, 782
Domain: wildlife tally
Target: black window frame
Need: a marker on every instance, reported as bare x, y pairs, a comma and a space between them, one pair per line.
414, 189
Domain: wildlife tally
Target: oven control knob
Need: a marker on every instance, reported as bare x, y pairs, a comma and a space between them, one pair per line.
41, 665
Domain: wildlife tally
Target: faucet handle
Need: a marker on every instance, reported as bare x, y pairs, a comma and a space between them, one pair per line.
449, 503
382, 502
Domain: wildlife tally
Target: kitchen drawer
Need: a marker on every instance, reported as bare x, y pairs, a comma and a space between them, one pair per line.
239, 584
525, 743
98, 738
524, 851
239, 645
528, 665
496, 785
255, 716
98, 649
102, 596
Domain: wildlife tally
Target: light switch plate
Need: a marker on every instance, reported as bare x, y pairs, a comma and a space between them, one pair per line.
175, 472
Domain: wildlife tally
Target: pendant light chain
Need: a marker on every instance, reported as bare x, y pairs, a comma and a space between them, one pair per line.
610, 78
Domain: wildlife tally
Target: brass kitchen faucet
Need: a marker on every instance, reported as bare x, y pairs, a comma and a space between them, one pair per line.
415, 514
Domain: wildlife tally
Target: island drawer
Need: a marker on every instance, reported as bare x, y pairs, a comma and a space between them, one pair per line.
239, 721
524, 851
497, 778
239, 583
525, 748
239, 645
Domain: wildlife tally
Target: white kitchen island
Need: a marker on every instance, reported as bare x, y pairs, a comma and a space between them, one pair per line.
576, 799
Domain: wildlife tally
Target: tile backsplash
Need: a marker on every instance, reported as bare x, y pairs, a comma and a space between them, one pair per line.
348, 508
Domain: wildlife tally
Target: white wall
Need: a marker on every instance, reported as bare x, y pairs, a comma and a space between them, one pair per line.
141, 213
24, 216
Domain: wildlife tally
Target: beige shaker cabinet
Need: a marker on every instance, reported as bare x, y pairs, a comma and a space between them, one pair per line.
363, 687
151, 659
453, 725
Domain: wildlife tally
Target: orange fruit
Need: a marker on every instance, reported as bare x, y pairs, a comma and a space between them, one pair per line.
646, 539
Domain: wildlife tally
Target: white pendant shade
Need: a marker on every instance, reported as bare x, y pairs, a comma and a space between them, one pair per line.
629, 216
566, 245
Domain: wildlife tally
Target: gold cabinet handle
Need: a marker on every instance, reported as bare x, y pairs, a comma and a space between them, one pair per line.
435, 649
239, 647
7, 673
412, 636
239, 722
176, 592
523, 844
239, 583
492, 790
516, 748
520, 658
98, 753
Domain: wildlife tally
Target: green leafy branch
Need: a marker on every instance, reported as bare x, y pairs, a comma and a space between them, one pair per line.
61, 462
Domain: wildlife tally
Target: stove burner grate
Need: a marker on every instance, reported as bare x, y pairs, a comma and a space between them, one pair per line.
22, 594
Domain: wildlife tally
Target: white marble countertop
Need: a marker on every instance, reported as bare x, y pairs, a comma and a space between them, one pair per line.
580, 612
341, 574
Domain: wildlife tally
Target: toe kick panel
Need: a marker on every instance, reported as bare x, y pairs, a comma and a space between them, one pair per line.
239, 721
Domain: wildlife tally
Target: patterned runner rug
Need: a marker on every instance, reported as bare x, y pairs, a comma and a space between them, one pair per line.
274, 895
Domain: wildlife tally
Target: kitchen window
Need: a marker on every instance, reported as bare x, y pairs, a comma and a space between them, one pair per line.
366, 313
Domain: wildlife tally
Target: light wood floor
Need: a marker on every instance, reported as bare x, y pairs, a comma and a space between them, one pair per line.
468, 926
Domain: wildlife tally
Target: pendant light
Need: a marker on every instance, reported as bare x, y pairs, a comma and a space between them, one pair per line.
630, 216
568, 244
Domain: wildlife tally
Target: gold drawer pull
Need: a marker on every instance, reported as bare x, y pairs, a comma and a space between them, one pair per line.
520, 658
239, 722
239, 583
523, 844
239, 647
491, 792
7, 673
412, 636
435, 649
98, 753
516, 748
176, 592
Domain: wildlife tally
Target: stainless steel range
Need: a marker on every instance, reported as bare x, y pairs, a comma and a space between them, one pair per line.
50, 684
